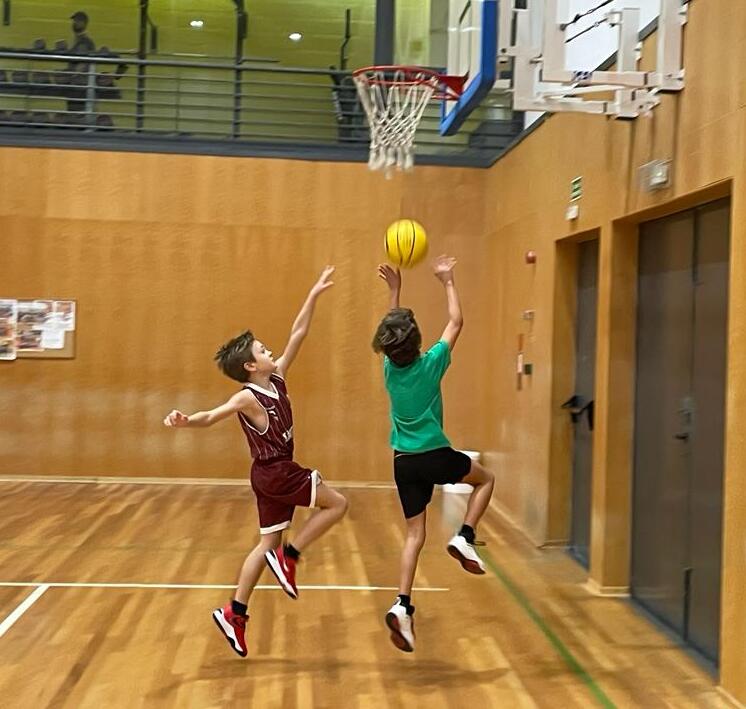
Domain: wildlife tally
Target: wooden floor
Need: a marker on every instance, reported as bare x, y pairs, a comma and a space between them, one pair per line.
525, 635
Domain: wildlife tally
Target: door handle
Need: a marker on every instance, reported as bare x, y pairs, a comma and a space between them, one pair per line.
681, 436
577, 408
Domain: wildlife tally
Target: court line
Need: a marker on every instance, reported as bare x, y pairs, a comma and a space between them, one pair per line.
540, 623
558, 645
32, 598
197, 586
216, 482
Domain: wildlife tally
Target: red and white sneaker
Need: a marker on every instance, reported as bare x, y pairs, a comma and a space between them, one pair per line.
283, 567
233, 626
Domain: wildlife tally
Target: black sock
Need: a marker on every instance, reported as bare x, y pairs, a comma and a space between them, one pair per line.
467, 533
239, 608
407, 603
291, 552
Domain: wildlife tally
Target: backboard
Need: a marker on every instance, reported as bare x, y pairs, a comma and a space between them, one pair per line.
472, 52
521, 47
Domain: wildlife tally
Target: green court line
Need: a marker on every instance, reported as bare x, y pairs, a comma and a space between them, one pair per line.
558, 645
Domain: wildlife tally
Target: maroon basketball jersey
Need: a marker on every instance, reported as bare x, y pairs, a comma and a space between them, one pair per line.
276, 441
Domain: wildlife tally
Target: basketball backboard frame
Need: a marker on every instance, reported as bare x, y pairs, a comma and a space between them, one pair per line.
528, 40
472, 53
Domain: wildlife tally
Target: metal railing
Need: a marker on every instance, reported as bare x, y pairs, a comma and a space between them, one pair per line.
230, 107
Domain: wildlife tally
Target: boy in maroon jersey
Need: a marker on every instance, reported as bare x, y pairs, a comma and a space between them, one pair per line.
279, 483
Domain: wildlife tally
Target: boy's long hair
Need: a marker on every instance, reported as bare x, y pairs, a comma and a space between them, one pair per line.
232, 356
398, 337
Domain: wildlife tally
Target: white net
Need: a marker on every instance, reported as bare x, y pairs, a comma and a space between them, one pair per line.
394, 100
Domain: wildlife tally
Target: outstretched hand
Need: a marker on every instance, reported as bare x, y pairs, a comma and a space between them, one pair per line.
176, 419
323, 283
392, 276
443, 268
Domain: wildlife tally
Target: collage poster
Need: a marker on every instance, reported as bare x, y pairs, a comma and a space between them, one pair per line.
34, 325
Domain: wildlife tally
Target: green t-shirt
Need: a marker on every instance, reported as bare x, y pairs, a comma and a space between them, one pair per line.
416, 402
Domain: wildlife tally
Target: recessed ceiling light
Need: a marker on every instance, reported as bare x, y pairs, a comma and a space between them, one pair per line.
197, 23
295, 36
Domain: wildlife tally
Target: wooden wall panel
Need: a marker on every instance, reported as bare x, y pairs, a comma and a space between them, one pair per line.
169, 256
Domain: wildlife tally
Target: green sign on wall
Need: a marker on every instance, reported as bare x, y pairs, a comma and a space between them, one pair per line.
576, 189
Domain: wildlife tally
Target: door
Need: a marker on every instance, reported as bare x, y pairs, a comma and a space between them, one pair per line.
680, 420
581, 406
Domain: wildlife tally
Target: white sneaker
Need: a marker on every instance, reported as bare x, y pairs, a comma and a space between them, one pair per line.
465, 553
401, 625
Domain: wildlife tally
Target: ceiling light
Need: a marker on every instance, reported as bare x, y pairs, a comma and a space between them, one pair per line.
295, 36
197, 23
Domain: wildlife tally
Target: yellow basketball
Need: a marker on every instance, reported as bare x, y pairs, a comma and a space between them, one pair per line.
405, 243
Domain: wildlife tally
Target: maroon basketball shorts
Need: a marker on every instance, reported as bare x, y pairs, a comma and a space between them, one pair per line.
280, 486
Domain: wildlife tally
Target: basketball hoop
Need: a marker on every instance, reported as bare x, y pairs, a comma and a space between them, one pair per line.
394, 98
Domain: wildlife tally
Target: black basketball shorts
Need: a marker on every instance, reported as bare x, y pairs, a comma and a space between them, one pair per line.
417, 474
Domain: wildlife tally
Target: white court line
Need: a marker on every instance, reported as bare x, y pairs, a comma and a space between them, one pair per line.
36, 594
229, 482
45, 585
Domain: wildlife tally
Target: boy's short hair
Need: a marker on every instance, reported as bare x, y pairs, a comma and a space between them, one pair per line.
398, 337
232, 356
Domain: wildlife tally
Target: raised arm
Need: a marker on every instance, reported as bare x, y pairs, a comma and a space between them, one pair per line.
300, 327
443, 269
241, 401
392, 277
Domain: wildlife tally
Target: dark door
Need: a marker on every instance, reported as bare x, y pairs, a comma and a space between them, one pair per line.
679, 424
664, 346
582, 406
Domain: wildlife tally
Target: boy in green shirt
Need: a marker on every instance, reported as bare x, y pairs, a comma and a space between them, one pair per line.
423, 456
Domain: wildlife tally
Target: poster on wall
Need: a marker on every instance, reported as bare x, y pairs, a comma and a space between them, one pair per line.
32, 316
52, 336
54, 325
37, 328
8, 320
64, 310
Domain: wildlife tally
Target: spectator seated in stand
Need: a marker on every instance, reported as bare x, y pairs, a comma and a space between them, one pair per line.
72, 82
